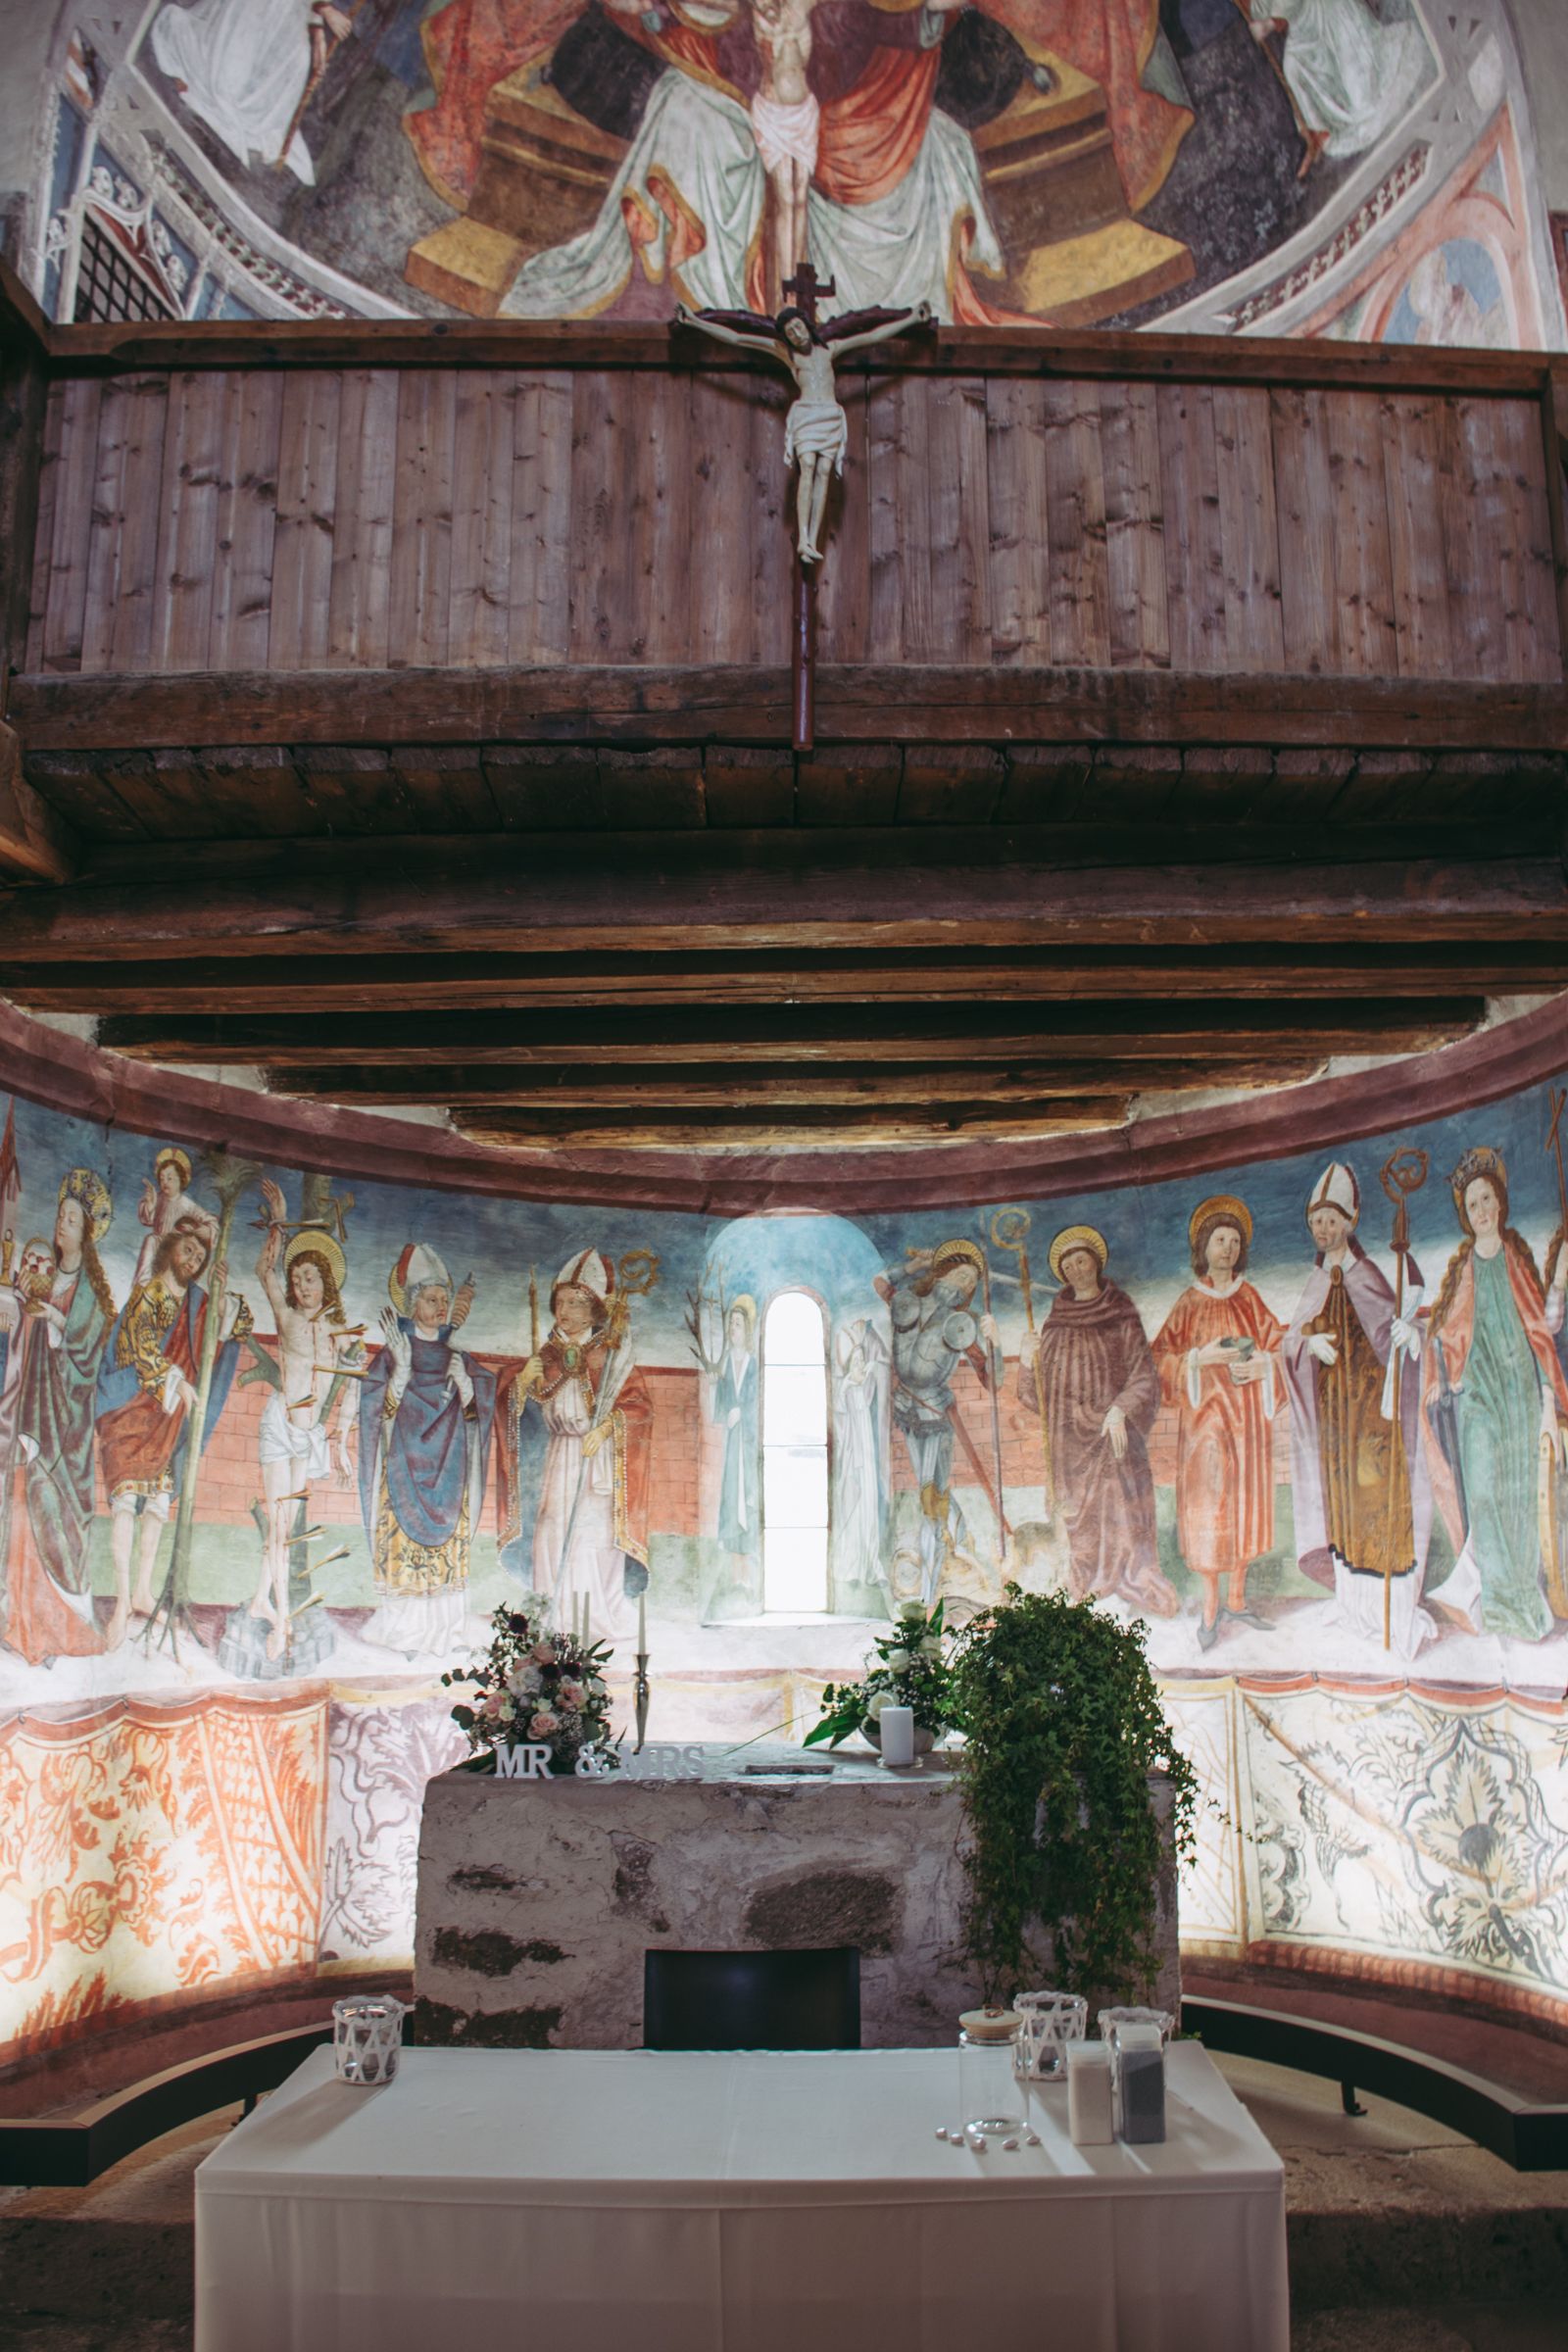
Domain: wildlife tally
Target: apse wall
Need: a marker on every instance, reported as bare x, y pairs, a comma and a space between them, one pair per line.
184, 1817
1369, 173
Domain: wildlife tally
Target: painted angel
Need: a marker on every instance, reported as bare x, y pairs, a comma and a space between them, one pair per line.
816, 431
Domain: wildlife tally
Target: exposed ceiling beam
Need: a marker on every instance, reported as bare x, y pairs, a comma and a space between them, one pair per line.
34, 846
772, 892
789, 1130
1215, 1029
508, 982
653, 1085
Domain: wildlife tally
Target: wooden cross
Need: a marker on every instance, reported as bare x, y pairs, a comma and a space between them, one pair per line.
803, 289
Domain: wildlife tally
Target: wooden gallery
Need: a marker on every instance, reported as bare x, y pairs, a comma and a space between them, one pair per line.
783, 1177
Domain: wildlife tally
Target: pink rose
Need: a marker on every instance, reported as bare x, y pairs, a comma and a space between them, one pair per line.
544, 1654
492, 1707
571, 1694
543, 1725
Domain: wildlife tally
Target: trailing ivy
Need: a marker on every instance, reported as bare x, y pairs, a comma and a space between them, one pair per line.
1064, 1724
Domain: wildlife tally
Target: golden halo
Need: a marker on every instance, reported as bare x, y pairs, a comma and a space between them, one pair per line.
1076, 1237
324, 1246
1220, 1205
948, 1253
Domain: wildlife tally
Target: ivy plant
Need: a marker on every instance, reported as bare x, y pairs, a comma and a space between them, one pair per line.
1064, 1723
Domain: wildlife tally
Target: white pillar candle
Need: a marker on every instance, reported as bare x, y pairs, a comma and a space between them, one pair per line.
1090, 2119
897, 1726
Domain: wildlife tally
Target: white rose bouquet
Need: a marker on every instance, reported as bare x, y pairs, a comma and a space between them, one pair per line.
907, 1668
537, 1687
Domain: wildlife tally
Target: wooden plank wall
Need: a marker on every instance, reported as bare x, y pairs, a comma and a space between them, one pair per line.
374, 517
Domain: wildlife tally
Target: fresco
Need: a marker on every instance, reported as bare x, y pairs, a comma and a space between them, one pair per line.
272, 1445
1217, 164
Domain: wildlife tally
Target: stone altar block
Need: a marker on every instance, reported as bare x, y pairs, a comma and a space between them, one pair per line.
538, 1900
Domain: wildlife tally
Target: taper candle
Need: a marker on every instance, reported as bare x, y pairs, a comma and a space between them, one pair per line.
642, 1625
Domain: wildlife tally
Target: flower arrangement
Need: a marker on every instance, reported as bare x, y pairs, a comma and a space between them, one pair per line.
910, 1670
537, 1686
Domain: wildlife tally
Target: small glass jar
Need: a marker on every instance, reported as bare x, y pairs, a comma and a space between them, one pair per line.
1048, 2021
367, 2036
990, 2092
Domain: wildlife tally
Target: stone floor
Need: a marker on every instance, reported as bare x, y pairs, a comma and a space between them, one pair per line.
1404, 2237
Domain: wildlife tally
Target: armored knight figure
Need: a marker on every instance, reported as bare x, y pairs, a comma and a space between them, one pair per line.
930, 1303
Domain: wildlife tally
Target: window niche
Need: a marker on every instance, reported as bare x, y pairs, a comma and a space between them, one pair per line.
791, 1343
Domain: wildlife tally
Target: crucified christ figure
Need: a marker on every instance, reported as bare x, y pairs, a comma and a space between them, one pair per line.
817, 431
785, 121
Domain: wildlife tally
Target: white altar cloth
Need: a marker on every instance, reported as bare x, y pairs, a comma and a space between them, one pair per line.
748, 2202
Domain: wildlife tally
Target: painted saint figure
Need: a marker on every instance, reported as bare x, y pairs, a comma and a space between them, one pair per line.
929, 1303
1493, 1393
1362, 1499
1349, 75
294, 1444
816, 431
1215, 1353
242, 67
165, 1199
575, 1469
859, 1452
733, 1405
786, 120
1091, 1365
58, 1326
424, 1426
146, 1391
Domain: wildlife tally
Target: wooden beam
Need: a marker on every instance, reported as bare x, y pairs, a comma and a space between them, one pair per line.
777, 892
370, 983
800, 1130
1051, 352
737, 704
34, 846
653, 1085
1217, 1029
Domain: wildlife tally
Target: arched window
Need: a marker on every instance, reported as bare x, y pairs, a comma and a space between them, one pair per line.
795, 1455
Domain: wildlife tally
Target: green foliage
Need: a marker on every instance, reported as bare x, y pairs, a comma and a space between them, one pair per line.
910, 1670
1064, 1723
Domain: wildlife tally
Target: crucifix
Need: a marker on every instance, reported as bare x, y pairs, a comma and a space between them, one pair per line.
816, 431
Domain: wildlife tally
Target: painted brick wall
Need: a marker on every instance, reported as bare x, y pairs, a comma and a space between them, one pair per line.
687, 1458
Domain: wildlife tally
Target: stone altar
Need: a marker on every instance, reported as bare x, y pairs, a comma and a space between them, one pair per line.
538, 1900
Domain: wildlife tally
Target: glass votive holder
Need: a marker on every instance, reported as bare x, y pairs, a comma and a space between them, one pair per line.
989, 2094
1048, 2023
367, 2036
1108, 2018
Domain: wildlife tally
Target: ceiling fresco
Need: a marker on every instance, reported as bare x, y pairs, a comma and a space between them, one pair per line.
1359, 168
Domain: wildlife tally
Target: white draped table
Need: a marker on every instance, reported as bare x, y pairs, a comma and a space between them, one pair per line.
749, 2203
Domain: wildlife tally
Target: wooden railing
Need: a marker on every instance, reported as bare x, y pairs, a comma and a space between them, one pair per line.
390, 499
